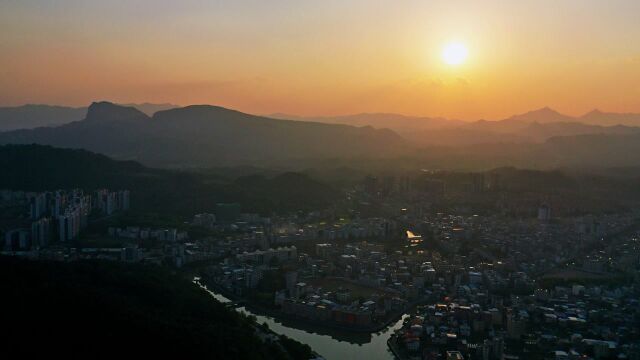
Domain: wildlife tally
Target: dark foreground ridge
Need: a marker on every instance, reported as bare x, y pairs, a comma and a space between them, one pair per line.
100, 309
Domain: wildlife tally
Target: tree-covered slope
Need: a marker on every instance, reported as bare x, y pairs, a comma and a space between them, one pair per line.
102, 309
40, 168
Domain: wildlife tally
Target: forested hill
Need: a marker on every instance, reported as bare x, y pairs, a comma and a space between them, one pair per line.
39, 168
95, 309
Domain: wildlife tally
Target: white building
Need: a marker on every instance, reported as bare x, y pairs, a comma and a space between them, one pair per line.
266, 256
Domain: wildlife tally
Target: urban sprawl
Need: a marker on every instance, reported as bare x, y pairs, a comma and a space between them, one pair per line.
468, 286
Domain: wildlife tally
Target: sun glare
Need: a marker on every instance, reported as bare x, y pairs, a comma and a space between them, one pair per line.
454, 53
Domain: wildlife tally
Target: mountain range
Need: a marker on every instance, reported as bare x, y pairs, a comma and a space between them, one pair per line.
531, 127
204, 136
32, 116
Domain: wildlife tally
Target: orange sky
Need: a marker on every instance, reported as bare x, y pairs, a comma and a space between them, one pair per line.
325, 58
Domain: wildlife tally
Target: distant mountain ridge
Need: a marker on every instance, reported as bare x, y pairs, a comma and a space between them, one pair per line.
380, 120
542, 116
31, 116
534, 126
205, 136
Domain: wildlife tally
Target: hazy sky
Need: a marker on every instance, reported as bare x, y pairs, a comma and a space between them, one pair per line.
325, 57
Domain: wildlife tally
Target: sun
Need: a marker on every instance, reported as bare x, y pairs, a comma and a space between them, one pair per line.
454, 53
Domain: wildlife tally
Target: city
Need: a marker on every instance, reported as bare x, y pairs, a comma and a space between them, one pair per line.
515, 284
320, 180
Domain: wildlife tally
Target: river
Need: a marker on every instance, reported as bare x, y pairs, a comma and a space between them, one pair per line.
331, 344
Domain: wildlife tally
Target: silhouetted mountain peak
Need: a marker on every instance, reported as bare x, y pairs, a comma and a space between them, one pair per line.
107, 111
605, 118
597, 116
542, 115
196, 112
544, 111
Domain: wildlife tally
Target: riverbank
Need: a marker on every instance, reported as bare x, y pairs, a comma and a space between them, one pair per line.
330, 344
392, 343
279, 315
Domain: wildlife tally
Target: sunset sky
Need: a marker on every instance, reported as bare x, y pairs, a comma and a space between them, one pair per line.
325, 57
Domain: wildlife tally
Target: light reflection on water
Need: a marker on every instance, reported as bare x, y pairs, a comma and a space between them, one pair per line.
328, 343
